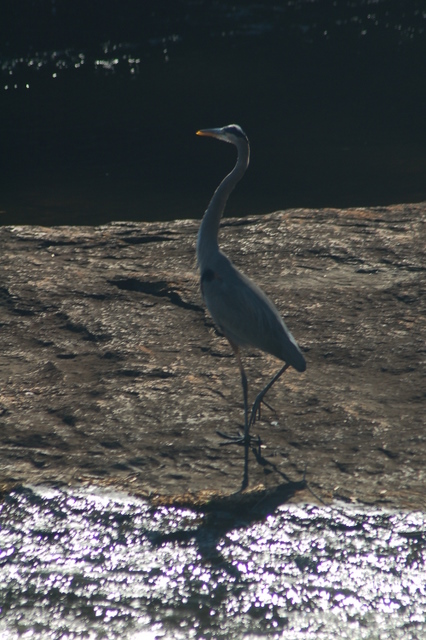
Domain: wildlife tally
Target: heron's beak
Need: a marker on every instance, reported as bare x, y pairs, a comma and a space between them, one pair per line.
213, 133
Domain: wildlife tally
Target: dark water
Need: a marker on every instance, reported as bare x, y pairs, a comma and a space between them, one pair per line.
100, 102
87, 564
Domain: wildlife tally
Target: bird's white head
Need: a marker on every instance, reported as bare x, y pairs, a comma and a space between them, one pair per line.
231, 133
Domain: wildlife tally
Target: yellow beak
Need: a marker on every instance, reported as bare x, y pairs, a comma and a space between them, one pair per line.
213, 133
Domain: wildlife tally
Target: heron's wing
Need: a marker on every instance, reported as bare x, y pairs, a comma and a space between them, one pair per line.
247, 316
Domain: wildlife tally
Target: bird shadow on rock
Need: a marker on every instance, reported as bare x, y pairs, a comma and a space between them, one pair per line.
268, 467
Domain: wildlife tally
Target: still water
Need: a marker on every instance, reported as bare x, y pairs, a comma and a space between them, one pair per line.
100, 102
88, 563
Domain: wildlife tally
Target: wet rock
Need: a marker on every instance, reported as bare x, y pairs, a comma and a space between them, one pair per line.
113, 373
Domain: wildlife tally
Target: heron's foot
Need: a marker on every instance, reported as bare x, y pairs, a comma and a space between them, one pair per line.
241, 439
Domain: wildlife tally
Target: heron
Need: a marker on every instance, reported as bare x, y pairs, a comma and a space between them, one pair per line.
240, 309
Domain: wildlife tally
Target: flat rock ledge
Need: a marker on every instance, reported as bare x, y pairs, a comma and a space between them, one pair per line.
112, 373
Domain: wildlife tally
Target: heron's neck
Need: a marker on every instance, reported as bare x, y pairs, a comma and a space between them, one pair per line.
207, 243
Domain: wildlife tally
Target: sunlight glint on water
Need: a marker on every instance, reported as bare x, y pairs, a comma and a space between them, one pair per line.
87, 564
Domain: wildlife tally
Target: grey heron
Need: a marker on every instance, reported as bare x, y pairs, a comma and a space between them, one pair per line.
241, 310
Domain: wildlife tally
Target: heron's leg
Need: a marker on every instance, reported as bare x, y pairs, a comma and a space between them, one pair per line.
244, 385
246, 421
245, 482
240, 439
255, 412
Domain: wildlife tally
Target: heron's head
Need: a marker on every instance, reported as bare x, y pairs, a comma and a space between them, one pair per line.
231, 133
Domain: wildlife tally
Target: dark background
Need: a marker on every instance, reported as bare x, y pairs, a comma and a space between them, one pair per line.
100, 101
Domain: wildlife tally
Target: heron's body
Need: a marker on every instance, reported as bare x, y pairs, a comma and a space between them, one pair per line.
245, 314
237, 305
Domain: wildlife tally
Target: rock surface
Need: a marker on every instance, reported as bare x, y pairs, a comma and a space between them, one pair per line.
112, 372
